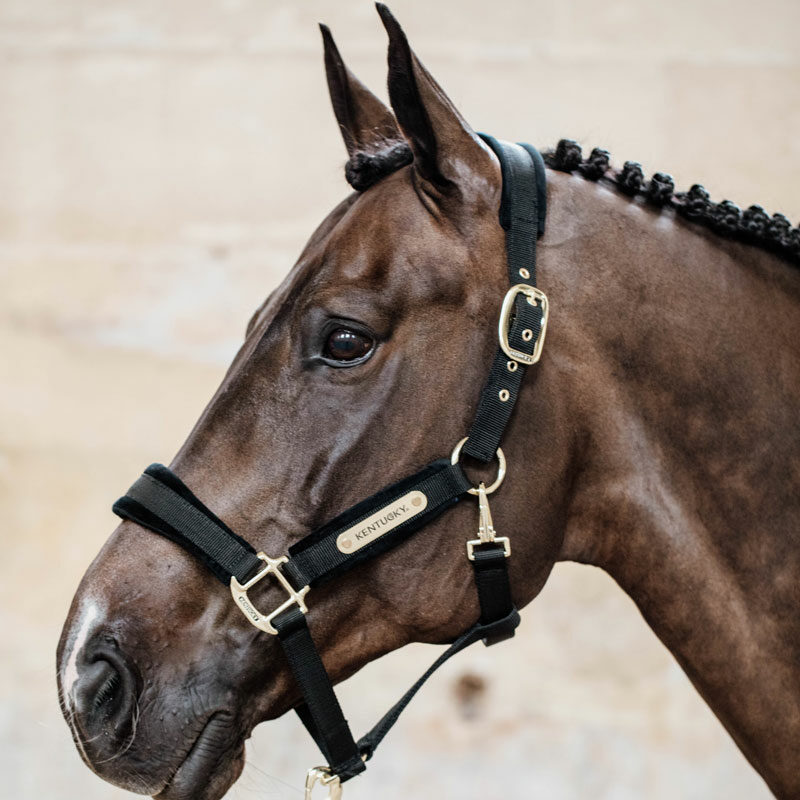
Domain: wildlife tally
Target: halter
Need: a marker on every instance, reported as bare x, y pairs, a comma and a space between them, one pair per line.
160, 501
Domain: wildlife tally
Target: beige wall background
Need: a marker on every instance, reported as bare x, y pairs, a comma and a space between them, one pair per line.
161, 164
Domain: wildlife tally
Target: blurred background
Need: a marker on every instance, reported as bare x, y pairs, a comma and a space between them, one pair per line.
161, 164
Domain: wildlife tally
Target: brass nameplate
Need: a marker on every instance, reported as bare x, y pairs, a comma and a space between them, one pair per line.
389, 517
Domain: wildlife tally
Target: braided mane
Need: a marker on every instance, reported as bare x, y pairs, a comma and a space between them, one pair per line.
753, 225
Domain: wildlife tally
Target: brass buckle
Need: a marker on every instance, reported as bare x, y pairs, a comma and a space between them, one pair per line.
261, 621
324, 777
534, 295
486, 532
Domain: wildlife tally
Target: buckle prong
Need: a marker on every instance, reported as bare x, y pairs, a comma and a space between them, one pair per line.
264, 621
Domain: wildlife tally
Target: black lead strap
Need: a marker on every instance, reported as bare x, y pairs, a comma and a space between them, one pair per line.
160, 501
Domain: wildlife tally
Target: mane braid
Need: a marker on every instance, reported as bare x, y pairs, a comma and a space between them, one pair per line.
364, 169
753, 225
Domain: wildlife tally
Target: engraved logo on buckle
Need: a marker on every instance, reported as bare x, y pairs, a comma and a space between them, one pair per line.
386, 519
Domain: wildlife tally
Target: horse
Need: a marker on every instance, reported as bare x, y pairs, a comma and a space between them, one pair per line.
657, 439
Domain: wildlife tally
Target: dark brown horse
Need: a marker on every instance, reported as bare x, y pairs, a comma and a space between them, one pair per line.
659, 440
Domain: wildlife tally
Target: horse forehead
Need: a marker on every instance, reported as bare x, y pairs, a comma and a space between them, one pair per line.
387, 234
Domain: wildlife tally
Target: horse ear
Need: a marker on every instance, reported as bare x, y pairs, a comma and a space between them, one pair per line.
442, 141
367, 124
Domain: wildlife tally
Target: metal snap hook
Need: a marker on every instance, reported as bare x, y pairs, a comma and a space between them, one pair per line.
324, 777
486, 531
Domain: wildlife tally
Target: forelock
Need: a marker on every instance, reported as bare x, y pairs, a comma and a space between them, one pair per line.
366, 168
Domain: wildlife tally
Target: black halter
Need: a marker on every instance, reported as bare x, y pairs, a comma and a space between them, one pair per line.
160, 501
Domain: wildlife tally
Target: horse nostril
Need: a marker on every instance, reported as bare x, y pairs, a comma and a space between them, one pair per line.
108, 691
105, 691
98, 688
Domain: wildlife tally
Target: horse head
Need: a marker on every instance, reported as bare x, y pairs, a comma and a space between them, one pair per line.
363, 365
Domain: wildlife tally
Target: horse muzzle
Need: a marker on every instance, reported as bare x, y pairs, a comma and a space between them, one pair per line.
102, 698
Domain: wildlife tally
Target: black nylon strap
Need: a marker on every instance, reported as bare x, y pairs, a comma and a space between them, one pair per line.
523, 205
316, 558
367, 744
498, 620
494, 631
331, 731
522, 211
490, 567
159, 500
493, 414
541, 186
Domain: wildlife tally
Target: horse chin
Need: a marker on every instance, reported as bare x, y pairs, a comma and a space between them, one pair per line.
211, 766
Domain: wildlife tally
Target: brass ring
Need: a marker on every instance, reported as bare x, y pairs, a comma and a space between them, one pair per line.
501, 466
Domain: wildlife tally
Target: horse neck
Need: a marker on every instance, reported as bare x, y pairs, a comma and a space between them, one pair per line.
677, 354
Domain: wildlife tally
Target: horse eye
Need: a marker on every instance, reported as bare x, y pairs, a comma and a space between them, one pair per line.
345, 344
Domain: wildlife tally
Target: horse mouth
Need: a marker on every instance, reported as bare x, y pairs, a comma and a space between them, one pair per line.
211, 765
